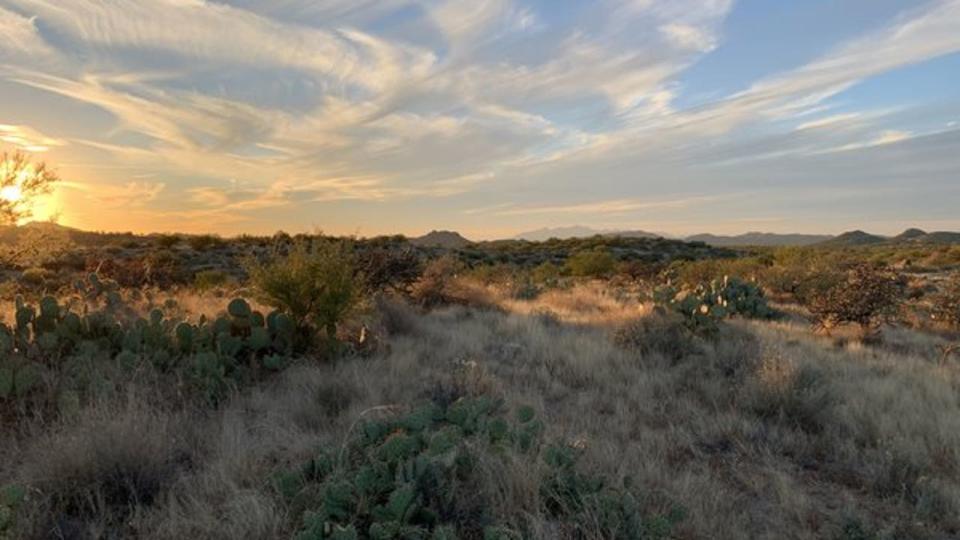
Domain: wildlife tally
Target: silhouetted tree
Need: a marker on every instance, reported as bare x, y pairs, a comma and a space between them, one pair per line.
21, 182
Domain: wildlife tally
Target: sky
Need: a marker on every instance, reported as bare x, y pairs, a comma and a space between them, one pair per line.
489, 117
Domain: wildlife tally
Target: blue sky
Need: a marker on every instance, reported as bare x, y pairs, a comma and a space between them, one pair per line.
488, 116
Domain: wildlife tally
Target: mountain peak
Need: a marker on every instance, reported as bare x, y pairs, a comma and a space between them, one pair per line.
911, 233
444, 239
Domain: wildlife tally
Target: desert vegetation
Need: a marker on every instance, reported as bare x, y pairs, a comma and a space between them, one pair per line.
333, 388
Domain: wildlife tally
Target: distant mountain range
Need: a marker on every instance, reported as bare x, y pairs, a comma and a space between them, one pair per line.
910, 236
762, 239
748, 239
579, 231
759, 239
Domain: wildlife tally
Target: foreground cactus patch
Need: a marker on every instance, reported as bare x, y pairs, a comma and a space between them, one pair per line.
423, 475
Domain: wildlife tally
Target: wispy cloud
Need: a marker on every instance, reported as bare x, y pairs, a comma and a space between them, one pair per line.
27, 138
618, 206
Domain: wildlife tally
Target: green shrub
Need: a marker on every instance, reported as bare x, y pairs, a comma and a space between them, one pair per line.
35, 277
386, 269
661, 332
206, 280
866, 296
435, 285
945, 306
545, 273
640, 271
205, 242
167, 241
526, 290
314, 283
803, 399
593, 263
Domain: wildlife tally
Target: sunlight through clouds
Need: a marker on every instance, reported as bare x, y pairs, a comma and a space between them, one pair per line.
332, 107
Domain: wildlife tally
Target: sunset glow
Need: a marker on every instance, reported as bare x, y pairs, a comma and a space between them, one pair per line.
10, 193
489, 117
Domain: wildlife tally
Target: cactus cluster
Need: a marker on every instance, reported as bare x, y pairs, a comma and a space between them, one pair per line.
703, 306
45, 342
400, 478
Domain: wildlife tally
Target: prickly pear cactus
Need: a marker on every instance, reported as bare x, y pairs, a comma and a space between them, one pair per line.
239, 308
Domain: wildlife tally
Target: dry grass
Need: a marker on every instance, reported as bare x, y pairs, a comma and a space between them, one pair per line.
766, 431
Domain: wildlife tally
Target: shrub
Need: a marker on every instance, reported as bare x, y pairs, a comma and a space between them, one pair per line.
167, 241
389, 269
206, 280
158, 268
800, 397
661, 332
35, 277
314, 283
205, 242
545, 273
866, 296
593, 263
435, 285
94, 476
490, 274
640, 271
525, 289
946, 304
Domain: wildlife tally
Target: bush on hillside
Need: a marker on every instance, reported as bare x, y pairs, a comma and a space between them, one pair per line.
167, 241
435, 286
386, 269
206, 280
659, 333
315, 283
864, 295
205, 242
158, 268
593, 263
946, 304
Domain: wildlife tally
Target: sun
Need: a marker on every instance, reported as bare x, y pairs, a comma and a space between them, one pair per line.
11, 193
